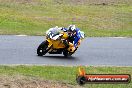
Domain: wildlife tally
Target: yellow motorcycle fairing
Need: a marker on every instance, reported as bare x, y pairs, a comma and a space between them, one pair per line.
65, 35
56, 44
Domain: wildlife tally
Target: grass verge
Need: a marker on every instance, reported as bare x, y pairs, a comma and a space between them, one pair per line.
94, 17
65, 74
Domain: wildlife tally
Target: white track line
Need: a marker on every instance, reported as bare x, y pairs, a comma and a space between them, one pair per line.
20, 35
118, 37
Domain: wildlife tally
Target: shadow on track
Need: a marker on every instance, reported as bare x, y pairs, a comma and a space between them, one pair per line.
60, 57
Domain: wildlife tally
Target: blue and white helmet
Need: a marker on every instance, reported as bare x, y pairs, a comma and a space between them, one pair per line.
72, 28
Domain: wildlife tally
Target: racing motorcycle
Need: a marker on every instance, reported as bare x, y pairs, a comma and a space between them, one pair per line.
55, 45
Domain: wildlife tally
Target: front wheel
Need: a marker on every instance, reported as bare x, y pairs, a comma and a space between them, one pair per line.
42, 49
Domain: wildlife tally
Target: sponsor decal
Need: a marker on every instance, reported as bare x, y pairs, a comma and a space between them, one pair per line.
83, 78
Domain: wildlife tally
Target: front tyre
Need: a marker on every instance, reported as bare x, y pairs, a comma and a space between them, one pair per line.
42, 49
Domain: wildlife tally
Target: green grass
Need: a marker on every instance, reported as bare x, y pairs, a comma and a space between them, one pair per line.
66, 74
34, 17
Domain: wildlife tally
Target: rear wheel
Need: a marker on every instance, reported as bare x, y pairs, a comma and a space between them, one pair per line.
42, 49
66, 53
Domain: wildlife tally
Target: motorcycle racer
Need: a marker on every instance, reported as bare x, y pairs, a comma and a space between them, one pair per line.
60, 40
75, 34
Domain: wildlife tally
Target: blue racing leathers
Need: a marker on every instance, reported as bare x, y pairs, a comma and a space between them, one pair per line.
77, 37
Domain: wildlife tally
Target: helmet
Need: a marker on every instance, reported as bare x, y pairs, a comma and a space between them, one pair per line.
72, 28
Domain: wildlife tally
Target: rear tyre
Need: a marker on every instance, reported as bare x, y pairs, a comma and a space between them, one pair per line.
42, 49
66, 53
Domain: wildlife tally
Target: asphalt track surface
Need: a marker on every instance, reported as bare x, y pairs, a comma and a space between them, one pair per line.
93, 51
